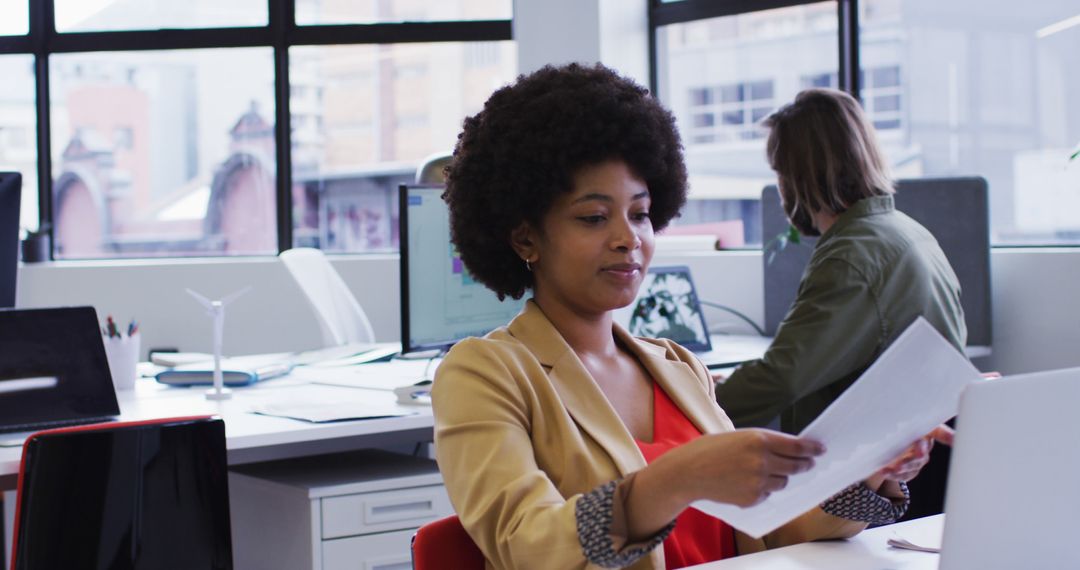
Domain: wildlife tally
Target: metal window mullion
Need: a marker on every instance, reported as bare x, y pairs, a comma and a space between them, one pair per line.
848, 15
282, 26
42, 30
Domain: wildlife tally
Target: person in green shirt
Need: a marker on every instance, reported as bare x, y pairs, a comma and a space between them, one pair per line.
873, 270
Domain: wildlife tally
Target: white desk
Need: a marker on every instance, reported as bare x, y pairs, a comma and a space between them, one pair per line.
250, 437
866, 551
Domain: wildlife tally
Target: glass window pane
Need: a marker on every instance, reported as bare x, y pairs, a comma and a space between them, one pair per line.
314, 12
755, 62
163, 153
368, 117
994, 96
14, 18
887, 103
112, 15
18, 131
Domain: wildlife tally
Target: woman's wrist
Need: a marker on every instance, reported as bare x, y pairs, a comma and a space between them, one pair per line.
659, 493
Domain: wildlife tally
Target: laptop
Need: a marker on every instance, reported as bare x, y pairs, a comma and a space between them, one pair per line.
53, 370
667, 306
1012, 498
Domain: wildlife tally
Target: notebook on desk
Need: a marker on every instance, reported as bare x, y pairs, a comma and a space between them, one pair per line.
667, 306
53, 370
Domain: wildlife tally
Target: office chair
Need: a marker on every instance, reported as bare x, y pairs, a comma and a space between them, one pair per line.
150, 495
340, 316
445, 544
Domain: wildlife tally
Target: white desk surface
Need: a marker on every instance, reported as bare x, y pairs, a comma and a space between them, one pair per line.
866, 551
251, 437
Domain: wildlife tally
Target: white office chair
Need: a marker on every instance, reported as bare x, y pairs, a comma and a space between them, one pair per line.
340, 316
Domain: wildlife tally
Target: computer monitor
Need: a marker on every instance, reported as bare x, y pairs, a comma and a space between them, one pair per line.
440, 302
10, 192
954, 210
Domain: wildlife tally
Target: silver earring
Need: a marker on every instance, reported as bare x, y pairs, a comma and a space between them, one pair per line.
528, 266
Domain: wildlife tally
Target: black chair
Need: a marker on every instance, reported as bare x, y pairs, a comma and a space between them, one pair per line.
125, 496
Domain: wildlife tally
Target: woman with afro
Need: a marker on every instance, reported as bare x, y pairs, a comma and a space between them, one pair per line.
563, 441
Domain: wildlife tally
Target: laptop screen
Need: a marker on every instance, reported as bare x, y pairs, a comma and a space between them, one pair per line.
52, 368
667, 306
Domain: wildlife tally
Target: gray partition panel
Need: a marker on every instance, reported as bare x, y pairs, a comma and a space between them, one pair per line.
955, 210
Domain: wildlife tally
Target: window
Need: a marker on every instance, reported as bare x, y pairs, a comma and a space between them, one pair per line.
163, 153
383, 109
880, 94
163, 135
953, 89
721, 76
18, 139
14, 18
117, 15
993, 95
739, 107
324, 12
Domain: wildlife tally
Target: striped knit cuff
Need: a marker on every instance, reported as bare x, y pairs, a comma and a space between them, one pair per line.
859, 503
594, 514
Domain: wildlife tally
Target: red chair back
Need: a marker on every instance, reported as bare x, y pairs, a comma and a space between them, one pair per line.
445, 544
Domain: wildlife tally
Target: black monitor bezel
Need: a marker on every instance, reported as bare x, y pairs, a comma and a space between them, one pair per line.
403, 246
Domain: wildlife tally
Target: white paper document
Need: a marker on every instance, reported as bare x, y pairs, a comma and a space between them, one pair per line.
321, 412
911, 388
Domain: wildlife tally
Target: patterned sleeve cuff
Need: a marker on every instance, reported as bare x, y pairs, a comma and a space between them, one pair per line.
859, 503
595, 513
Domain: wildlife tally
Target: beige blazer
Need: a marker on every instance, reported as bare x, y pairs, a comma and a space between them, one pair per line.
522, 431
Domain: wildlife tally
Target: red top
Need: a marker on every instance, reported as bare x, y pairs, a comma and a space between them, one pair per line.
698, 537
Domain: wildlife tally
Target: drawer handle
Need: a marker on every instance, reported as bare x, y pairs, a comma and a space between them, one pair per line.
397, 511
407, 565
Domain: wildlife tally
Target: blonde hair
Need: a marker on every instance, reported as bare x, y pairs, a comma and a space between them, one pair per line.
825, 153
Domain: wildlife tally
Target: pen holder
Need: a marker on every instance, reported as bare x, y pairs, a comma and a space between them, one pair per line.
123, 354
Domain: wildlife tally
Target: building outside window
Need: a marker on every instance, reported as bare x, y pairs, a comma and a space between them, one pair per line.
173, 152
953, 89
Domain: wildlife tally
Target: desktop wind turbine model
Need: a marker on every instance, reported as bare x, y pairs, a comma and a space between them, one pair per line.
216, 310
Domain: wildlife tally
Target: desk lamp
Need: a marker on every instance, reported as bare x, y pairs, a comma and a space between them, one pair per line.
216, 310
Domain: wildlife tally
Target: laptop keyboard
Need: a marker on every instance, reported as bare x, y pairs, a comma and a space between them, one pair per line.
38, 426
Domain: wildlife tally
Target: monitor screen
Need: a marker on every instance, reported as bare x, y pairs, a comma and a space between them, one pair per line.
440, 302
10, 192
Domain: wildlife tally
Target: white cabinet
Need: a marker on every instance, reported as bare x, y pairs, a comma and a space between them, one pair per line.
355, 511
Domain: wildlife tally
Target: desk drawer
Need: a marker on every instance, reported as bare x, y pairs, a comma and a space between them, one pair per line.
386, 551
352, 515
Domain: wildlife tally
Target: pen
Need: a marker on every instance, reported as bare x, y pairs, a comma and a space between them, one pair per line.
111, 325
132, 328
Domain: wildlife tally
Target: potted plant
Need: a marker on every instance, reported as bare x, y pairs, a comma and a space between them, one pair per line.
36, 244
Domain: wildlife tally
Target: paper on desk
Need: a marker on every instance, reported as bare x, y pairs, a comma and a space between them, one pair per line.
911, 388
319, 412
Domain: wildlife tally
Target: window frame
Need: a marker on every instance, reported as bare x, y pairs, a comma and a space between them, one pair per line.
280, 34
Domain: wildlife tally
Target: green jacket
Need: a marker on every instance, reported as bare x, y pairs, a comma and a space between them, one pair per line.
872, 273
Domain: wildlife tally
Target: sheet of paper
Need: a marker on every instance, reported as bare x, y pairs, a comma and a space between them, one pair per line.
319, 412
375, 376
912, 387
